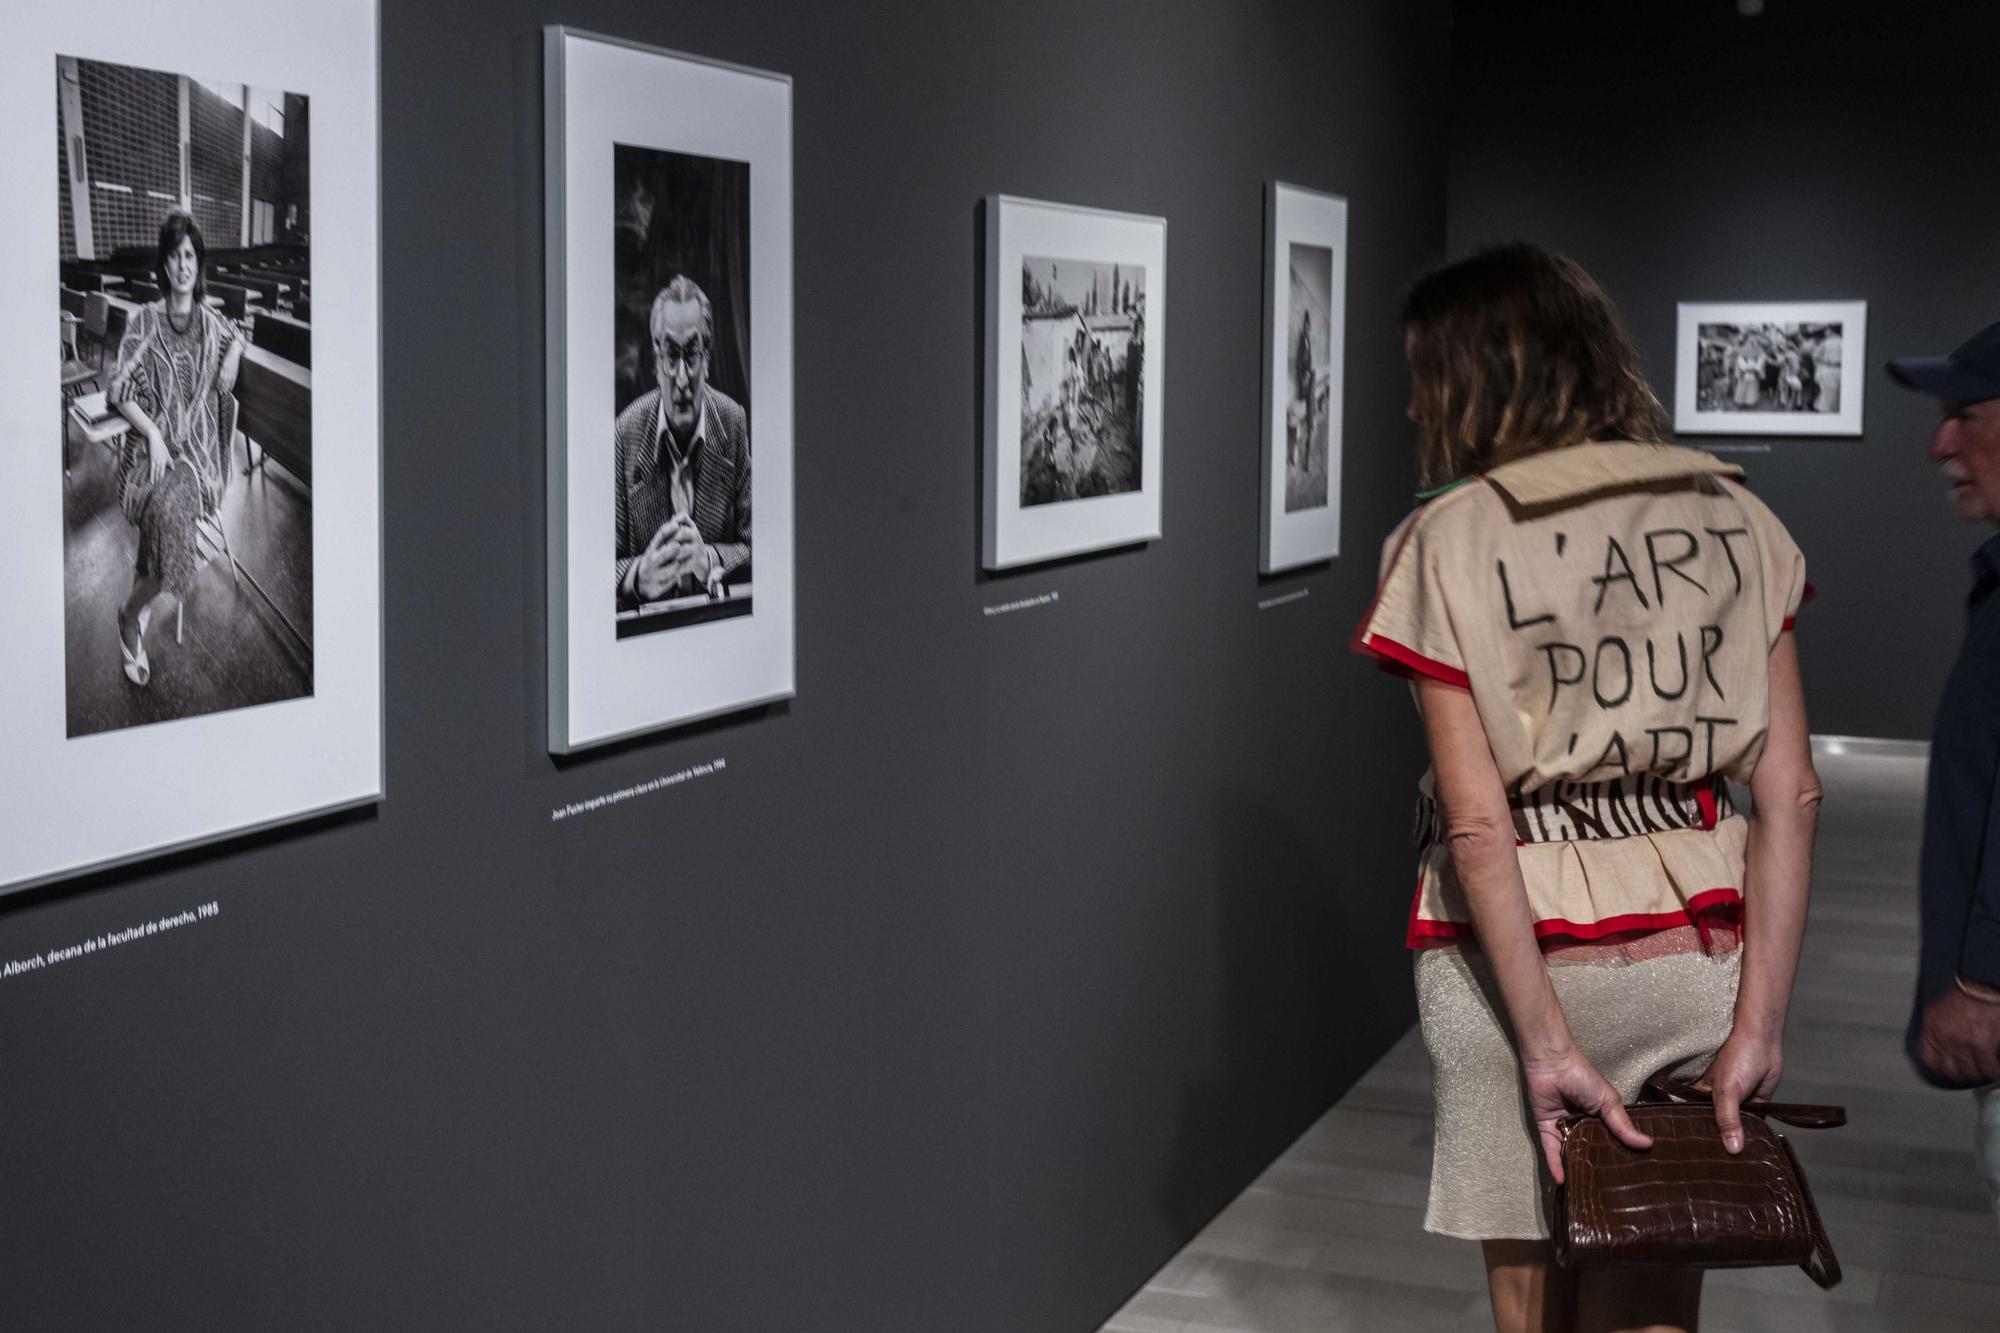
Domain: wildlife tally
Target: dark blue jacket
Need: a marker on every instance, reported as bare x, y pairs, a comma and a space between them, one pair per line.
1960, 870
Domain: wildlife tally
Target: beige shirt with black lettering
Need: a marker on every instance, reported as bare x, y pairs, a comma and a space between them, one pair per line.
1612, 608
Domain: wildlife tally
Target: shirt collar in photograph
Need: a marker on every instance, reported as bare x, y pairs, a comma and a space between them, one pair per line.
664, 437
1584, 469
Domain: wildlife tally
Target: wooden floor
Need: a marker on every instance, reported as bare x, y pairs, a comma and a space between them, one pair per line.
1330, 1236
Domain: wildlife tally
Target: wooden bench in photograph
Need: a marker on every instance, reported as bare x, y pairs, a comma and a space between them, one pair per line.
283, 336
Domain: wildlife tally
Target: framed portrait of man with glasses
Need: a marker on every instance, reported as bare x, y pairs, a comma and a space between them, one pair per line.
682, 477
670, 233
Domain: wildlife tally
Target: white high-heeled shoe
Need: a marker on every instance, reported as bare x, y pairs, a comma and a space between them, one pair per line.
137, 669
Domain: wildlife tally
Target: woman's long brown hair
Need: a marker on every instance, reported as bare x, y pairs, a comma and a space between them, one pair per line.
1515, 351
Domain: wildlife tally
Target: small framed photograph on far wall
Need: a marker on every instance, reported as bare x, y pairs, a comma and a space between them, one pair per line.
1305, 318
1076, 311
1770, 367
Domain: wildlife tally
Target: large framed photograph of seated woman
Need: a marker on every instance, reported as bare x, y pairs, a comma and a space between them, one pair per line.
670, 370
195, 605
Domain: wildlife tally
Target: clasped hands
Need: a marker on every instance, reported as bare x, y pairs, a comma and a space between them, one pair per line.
675, 553
1563, 1082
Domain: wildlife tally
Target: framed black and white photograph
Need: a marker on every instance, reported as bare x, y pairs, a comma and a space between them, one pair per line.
1305, 304
196, 212
670, 368
1076, 305
1770, 368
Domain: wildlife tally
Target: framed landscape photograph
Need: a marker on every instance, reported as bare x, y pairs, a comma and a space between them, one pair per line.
1305, 320
195, 594
1076, 307
669, 189
1770, 367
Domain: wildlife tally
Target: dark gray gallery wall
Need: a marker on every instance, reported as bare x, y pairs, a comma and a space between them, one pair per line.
1823, 150
988, 968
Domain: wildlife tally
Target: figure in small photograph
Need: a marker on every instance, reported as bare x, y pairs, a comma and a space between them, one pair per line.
1826, 369
1302, 385
1309, 322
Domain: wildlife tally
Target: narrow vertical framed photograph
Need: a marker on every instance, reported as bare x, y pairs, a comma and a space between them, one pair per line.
669, 248
194, 597
1305, 335
1075, 342
1770, 367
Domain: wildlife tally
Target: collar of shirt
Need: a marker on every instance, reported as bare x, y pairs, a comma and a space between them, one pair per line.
1583, 469
664, 438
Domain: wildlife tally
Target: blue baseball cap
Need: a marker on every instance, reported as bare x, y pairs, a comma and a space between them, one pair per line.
1970, 374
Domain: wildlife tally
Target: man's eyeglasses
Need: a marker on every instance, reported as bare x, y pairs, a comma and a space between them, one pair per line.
692, 354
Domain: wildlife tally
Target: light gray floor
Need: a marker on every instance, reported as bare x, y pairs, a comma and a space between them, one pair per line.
1330, 1236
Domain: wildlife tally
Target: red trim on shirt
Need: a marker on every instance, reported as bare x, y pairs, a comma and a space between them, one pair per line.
1704, 797
1807, 595
1405, 661
1554, 930
1358, 642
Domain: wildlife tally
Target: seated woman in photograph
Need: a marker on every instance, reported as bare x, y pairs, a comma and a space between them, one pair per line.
176, 366
1599, 632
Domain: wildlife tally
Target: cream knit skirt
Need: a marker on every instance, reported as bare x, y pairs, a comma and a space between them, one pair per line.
1631, 1020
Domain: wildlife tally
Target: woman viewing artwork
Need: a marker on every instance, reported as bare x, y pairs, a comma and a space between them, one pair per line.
1598, 632
176, 367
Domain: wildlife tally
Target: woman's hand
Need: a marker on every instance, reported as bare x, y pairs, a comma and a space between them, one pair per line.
1746, 1068
158, 460
1568, 1084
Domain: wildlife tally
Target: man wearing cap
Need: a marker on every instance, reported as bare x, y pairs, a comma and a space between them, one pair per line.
1954, 1034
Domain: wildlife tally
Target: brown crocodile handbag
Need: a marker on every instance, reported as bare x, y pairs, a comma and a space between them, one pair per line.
1687, 1202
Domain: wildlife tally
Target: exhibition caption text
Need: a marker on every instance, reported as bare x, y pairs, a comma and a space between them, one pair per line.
1298, 595
1025, 604
643, 789
16, 966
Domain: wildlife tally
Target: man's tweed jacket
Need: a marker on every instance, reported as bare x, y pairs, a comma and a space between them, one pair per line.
722, 482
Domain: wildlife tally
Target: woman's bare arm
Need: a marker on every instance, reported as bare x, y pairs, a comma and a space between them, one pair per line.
1785, 792
232, 359
1479, 832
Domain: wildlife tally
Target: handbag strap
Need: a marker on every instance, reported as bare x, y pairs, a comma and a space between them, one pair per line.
1803, 1115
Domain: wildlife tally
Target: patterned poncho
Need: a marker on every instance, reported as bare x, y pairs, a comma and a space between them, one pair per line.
172, 377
